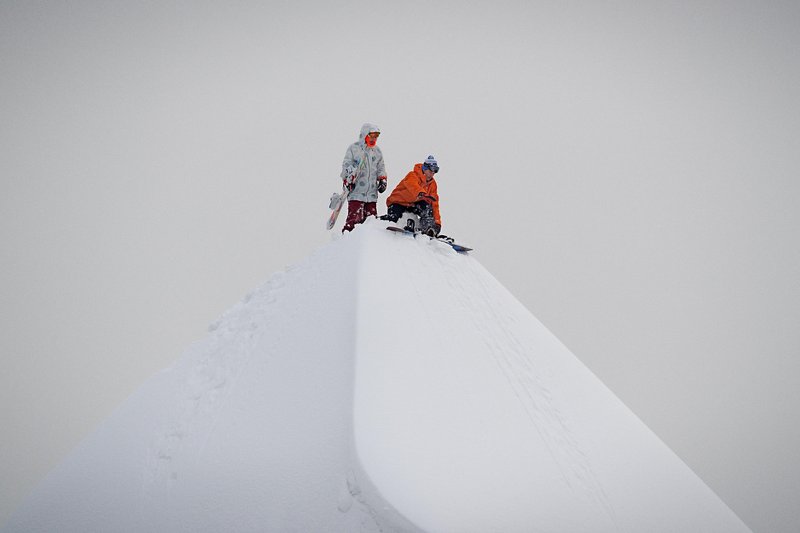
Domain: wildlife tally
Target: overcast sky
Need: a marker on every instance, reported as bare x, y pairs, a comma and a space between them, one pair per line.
629, 170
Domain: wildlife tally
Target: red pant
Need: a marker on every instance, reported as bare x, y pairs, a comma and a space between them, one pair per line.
357, 212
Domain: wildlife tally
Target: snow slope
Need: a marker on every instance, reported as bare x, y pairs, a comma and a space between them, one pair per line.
384, 384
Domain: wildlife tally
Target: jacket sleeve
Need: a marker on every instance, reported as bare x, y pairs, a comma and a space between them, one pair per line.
349, 163
403, 194
435, 193
381, 166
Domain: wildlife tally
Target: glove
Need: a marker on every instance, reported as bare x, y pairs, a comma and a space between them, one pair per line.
422, 197
349, 183
381, 184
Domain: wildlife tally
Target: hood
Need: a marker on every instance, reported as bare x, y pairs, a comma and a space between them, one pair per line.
420, 175
367, 128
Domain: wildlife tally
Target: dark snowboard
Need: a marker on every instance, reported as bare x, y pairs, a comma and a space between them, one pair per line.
442, 238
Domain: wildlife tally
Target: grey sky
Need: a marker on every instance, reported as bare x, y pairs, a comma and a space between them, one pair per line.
627, 169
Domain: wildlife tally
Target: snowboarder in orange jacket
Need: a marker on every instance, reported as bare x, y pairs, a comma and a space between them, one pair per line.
418, 193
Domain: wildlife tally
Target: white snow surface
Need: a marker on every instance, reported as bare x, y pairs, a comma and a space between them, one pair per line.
386, 383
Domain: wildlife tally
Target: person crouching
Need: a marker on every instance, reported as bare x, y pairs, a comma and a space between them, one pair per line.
418, 193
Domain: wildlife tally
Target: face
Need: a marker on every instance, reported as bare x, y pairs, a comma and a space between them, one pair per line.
428, 173
372, 138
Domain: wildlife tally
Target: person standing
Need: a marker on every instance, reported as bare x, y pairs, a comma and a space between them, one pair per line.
418, 193
364, 176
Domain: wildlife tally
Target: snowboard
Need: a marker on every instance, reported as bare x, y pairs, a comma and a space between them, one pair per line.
337, 201
441, 238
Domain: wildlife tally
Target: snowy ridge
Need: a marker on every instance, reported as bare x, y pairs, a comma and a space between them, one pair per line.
217, 363
471, 416
384, 384
251, 430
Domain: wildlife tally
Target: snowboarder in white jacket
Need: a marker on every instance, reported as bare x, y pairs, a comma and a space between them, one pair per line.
364, 175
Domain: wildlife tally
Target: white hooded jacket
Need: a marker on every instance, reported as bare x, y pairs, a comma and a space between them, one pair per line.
366, 164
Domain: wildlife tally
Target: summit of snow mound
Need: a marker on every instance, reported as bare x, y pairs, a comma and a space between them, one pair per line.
383, 384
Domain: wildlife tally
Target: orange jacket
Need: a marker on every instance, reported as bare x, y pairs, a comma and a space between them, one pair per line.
415, 187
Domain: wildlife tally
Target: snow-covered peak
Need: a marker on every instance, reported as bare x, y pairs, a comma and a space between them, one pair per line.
386, 383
